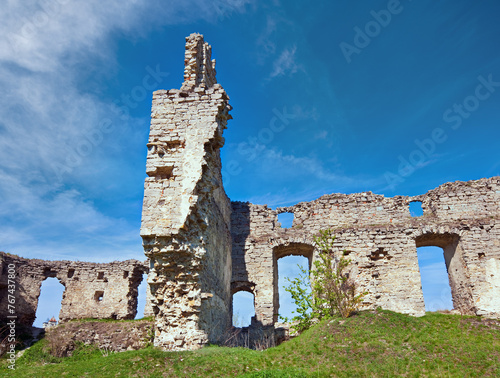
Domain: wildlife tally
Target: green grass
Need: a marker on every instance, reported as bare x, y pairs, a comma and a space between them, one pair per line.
381, 344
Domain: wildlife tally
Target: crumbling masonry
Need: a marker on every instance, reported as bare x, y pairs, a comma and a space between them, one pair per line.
203, 248
186, 217
92, 290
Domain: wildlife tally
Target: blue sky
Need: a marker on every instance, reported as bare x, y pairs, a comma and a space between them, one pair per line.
332, 96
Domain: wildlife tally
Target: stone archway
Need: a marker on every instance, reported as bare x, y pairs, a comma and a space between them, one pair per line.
51, 293
287, 248
242, 287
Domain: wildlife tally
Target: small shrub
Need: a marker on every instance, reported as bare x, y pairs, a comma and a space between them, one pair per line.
333, 292
303, 299
333, 289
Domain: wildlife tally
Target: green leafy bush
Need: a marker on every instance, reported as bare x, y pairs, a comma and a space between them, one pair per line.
332, 293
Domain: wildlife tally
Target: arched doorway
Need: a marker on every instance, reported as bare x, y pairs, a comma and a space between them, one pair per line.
49, 301
286, 258
243, 306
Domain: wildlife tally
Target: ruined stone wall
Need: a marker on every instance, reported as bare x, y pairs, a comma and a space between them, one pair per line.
380, 237
252, 257
456, 201
92, 290
107, 336
186, 213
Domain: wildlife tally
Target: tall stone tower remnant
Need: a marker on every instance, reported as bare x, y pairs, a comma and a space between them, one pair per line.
186, 213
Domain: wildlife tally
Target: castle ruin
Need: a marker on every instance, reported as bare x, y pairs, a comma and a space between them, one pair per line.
203, 248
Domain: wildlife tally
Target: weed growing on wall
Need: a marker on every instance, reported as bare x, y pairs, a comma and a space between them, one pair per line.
333, 292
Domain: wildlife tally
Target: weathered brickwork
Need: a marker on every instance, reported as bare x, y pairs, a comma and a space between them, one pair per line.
186, 213
92, 290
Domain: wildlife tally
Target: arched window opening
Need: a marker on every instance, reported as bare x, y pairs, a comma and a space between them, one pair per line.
243, 308
141, 296
434, 277
285, 219
415, 208
49, 302
288, 267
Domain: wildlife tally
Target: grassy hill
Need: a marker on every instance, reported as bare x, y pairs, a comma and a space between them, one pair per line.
380, 344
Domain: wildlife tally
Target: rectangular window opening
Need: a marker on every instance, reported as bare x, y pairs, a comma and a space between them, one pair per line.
98, 296
285, 220
416, 209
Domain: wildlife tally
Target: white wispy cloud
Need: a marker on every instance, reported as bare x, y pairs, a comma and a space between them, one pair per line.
71, 221
264, 40
323, 134
49, 173
308, 176
268, 42
36, 33
300, 113
286, 63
